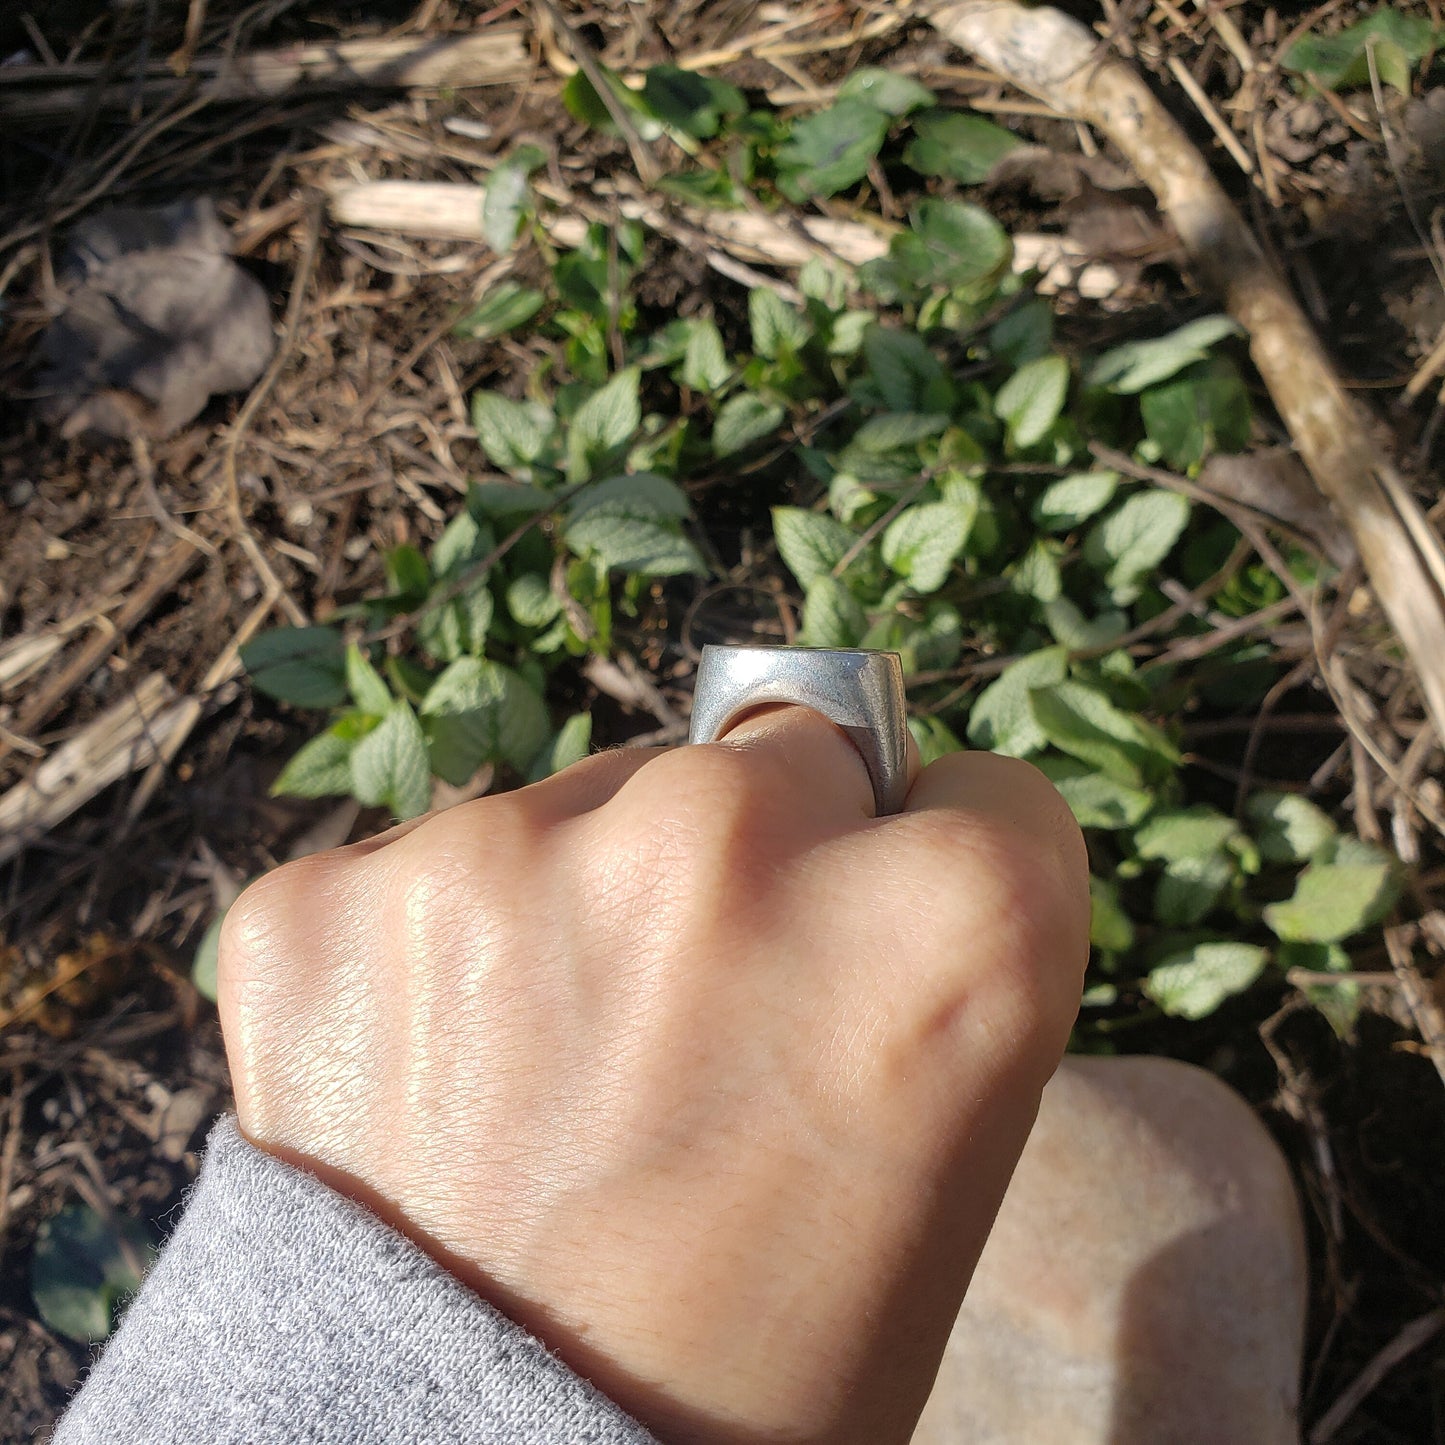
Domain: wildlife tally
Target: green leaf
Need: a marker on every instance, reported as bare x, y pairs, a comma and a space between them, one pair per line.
584, 103
365, 684
1337, 999
951, 245
907, 374
1001, 718
508, 198
1025, 333
1032, 399
1193, 983
922, 542
963, 147
705, 365
691, 103
1340, 62
811, 543
451, 629
460, 625
778, 329
934, 737
301, 665
1332, 901
503, 500
1079, 633
479, 712
1064, 504
848, 331
830, 151
389, 765
1082, 722
1189, 887
1130, 368
322, 767
885, 90
936, 643
823, 282
1110, 928
206, 963
1202, 410
847, 497
1176, 833
84, 1267
832, 616
743, 420
572, 744
1130, 543
513, 434
897, 431
1036, 573
633, 524
603, 425
408, 578
1096, 800
504, 308
1289, 828
531, 602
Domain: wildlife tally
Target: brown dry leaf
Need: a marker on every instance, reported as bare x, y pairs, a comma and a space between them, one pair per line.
1273, 480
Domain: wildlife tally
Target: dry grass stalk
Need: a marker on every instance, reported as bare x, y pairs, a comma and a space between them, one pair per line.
125, 737
448, 210
453, 211
493, 55
1055, 58
159, 583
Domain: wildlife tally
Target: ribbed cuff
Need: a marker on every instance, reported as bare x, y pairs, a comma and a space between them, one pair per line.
281, 1311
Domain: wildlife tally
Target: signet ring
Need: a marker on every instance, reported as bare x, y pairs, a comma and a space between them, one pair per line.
860, 692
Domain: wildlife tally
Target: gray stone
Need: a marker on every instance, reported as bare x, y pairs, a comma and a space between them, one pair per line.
154, 318
1145, 1283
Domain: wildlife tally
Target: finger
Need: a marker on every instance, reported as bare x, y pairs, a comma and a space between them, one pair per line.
586, 785
1008, 817
816, 756
1007, 792
1009, 796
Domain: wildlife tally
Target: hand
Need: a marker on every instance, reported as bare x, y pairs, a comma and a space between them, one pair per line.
687, 1063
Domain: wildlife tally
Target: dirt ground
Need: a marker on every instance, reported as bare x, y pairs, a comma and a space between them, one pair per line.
125, 568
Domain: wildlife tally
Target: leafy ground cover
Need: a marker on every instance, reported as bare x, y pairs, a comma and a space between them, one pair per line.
508, 491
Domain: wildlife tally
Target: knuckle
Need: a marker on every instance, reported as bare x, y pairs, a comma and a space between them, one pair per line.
720, 781
268, 918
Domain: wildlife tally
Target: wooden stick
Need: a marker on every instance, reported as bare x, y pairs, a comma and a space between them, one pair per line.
1055, 58
493, 55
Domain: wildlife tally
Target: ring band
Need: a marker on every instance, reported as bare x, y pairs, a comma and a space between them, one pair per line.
860, 692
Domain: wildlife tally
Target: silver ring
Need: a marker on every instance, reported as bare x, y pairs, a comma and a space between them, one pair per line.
861, 692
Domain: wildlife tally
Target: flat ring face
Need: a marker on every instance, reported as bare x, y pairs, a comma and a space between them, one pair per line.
861, 692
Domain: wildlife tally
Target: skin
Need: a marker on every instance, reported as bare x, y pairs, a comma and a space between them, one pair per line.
685, 1061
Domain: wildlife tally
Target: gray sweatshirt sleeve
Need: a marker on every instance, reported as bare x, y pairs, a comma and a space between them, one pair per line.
282, 1312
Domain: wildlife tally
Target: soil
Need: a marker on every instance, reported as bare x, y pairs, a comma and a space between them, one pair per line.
110, 1064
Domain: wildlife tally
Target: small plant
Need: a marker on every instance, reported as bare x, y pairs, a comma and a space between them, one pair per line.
1397, 42
85, 1267
929, 449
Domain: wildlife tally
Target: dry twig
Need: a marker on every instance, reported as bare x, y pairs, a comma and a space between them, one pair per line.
493, 55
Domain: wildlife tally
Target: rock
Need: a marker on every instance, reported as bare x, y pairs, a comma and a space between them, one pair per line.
1145, 1282
154, 319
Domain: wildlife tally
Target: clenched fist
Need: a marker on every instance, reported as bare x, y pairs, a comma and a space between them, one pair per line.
684, 1060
